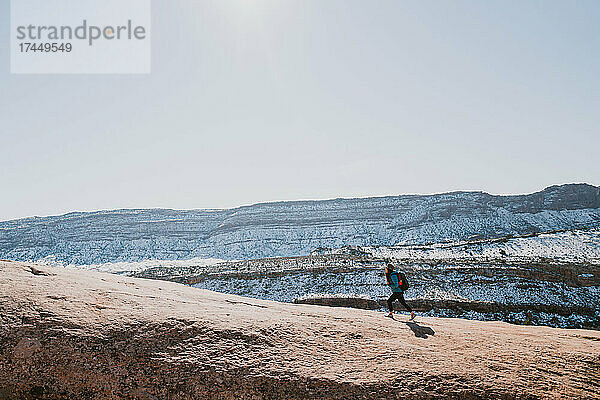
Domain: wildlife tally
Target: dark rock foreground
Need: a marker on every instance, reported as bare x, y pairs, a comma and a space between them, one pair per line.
71, 334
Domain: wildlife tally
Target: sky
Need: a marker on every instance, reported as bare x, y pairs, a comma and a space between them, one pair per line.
254, 101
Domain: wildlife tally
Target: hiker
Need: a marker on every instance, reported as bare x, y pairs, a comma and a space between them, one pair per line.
398, 283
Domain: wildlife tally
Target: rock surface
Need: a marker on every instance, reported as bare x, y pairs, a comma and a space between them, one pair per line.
67, 334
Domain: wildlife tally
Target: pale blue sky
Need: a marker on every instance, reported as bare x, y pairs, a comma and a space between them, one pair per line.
253, 101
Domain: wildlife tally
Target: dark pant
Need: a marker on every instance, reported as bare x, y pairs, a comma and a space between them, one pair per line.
400, 297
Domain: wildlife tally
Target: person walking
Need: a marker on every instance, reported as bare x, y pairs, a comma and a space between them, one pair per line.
398, 283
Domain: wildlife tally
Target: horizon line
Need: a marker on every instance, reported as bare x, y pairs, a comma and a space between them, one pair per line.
102, 210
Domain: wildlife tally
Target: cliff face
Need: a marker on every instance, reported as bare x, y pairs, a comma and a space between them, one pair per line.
295, 228
78, 334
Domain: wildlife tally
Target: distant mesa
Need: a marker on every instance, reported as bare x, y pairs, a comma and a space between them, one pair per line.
296, 228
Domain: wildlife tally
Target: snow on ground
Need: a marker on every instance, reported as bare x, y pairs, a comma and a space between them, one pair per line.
126, 267
434, 283
309, 296
570, 245
440, 282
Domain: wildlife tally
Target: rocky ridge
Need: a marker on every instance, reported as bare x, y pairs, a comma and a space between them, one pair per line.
295, 228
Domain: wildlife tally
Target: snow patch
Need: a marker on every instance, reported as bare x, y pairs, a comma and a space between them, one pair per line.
127, 267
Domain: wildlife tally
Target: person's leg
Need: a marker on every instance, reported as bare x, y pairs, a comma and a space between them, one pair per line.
393, 297
401, 299
403, 302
